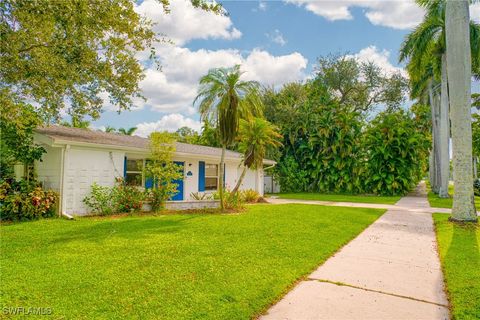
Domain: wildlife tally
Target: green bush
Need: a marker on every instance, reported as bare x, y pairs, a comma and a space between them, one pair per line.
127, 198
231, 201
26, 200
393, 153
120, 198
100, 200
476, 187
250, 195
157, 198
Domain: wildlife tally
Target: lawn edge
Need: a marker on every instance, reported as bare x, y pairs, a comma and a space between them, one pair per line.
305, 276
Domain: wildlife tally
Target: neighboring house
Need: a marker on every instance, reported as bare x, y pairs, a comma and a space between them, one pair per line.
76, 158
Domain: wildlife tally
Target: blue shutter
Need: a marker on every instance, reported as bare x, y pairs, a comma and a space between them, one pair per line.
148, 180
201, 176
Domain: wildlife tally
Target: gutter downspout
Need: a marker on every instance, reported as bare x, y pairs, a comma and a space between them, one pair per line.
62, 183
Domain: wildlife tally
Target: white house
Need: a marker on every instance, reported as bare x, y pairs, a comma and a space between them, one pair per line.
76, 158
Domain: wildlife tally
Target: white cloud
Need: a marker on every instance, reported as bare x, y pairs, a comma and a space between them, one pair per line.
170, 122
262, 6
397, 14
380, 57
185, 22
174, 88
277, 37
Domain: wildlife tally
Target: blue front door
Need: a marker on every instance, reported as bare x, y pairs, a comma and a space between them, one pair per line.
179, 195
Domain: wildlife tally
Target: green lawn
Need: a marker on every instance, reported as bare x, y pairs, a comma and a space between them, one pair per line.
460, 256
340, 197
437, 202
172, 266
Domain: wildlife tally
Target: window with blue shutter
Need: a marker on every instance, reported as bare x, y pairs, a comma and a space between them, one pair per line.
201, 176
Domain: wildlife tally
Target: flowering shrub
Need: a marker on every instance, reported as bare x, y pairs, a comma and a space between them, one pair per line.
127, 198
26, 201
119, 198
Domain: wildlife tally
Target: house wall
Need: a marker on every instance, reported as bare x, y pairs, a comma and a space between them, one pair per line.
49, 169
83, 167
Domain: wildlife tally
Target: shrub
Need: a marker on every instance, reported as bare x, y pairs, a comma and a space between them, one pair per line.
476, 187
230, 201
394, 151
201, 196
127, 198
100, 200
26, 200
157, 198
250, 196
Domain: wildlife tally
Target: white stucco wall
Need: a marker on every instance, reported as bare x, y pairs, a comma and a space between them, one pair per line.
83, 167
49, 169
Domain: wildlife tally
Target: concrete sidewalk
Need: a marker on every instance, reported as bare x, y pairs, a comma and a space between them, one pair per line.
390, 271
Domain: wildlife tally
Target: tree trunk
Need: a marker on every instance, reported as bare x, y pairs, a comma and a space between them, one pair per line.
221, 177
434, 180
431, 169
459, 69
444, 134
240, 180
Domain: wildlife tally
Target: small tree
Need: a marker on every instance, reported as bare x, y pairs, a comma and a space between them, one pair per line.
256, 137
161, 169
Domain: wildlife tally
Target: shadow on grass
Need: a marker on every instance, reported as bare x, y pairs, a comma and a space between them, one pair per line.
129, 228
462, 271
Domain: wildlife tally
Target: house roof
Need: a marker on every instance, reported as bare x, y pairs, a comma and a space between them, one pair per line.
63, 134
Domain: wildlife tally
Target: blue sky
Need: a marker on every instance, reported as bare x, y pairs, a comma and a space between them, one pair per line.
275, 41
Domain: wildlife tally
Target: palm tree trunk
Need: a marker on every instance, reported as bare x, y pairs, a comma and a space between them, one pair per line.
459, 68
444, 134
221, 177
240, 180
434, 180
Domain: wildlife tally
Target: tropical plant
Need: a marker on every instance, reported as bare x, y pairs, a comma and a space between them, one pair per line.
250, 196
110, 129
200, 196
255, 137
100, 200
425, 48
127, 132
26, 200
223, 99
127, 198
393, 150
161, 168
459, 67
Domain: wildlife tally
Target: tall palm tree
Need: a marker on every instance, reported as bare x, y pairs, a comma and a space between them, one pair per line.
427, 43
223, 100
128, 131
256, 137
459, 68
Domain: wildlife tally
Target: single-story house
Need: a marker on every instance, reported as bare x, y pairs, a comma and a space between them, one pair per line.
76, 158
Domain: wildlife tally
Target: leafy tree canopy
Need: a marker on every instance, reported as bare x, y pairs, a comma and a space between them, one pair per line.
66, 55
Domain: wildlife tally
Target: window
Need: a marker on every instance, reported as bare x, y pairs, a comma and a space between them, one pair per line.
211, 177
134, 172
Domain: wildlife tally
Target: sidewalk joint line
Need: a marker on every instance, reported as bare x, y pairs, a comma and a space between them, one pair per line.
377, 291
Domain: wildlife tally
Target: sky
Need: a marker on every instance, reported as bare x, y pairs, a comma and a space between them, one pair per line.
275, 42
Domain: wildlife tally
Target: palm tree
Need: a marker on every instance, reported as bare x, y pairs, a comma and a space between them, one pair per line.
427, 43
459, 68
110, 129
127, 132
223, 100
256, 137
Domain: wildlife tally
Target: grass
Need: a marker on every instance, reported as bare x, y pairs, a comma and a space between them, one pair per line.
437, 202
460, 256
340, 197
174, 266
